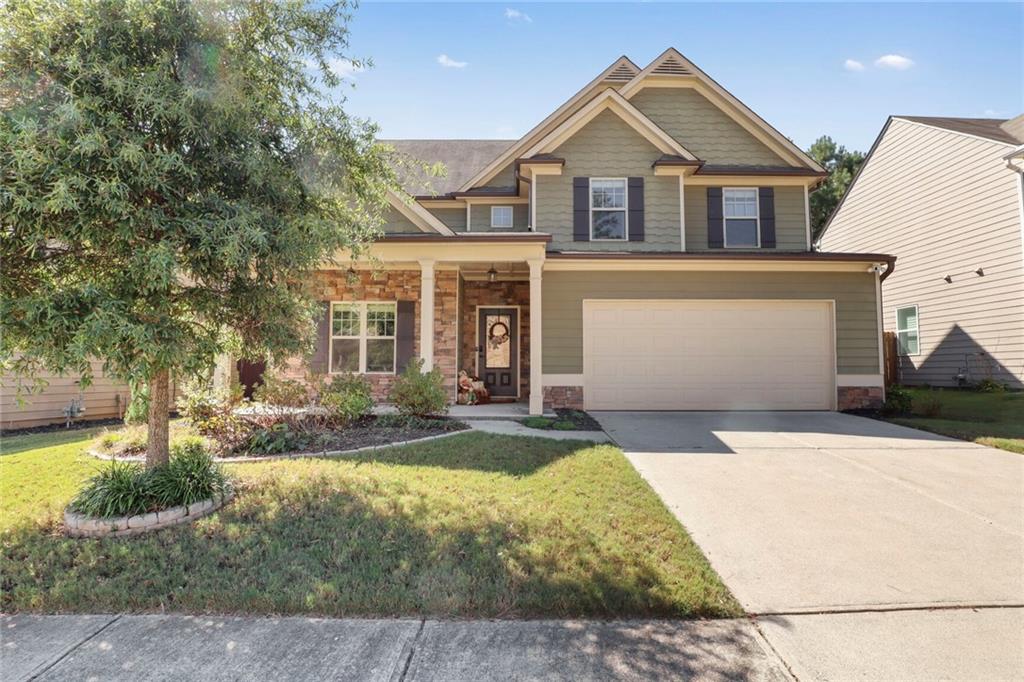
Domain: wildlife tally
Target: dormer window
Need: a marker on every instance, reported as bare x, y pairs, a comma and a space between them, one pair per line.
501, 216
741, 218
608, 209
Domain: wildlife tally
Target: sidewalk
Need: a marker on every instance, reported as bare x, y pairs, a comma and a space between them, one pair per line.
218, 648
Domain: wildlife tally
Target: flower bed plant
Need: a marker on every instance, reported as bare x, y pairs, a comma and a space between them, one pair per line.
127, 489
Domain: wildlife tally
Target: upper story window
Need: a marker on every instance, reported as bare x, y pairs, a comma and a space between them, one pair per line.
363, 337
906, 330
607, 209
742, 227
501, 216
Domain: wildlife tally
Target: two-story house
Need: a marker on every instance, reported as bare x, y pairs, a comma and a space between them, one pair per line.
947, 195
645, 246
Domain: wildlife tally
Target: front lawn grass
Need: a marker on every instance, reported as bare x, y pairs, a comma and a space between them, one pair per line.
994, 419
473, 525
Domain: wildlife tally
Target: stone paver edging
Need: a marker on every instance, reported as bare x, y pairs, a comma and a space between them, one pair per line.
293, 455
81, 526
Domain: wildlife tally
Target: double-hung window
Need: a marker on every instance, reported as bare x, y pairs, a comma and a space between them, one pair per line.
906, 330
607, 209
363, 337
742, 229
501, 216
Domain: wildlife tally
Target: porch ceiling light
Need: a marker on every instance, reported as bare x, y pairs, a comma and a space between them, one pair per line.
492, 274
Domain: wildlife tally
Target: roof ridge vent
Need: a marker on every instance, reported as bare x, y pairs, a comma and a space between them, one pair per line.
671, 65
621, 73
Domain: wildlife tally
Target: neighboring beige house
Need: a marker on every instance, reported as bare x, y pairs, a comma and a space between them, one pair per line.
105, 398
945, 194
645, 246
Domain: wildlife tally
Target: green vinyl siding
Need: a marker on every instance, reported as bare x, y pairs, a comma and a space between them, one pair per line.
607, 147
853, 292
481, 218
790, 223
396, 223
454, 218
702, 128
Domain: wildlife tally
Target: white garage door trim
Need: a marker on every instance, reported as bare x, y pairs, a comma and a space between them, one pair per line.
827, 401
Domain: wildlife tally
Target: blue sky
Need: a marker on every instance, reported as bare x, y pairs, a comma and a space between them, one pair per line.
505, 66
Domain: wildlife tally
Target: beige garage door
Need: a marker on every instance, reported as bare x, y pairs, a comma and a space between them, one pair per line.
708, 355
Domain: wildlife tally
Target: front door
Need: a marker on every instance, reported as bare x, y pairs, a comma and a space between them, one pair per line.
498, 350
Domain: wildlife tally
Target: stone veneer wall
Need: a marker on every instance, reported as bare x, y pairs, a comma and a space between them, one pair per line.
496, 294
394, 285
859, 397
570, 397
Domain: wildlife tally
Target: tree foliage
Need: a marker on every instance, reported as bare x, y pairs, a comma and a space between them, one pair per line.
841, 165
170, 172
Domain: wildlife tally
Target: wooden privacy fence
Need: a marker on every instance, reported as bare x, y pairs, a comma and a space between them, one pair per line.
891, 358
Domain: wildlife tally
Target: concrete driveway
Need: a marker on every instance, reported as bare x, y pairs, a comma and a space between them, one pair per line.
826, 513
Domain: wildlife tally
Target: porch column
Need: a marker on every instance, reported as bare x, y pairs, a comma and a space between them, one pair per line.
427, 313
536, 313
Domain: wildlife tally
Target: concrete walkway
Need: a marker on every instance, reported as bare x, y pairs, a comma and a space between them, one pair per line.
836, 517
212, 648
511, 428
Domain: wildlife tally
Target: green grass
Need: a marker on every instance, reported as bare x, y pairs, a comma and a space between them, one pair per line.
472, 525
994, 419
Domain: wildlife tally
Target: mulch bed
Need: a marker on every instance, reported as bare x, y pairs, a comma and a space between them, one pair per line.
582, 420
373, 433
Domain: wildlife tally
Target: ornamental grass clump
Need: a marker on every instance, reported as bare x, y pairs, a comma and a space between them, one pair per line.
129, 489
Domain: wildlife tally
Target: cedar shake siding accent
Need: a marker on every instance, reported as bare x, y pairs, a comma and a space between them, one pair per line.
607, 147
703, 128
854, 293
790, 223
946, 204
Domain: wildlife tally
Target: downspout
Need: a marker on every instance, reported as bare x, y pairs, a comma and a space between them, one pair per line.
529, 212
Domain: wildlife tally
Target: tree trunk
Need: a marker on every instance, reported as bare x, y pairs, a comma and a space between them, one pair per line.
157, 444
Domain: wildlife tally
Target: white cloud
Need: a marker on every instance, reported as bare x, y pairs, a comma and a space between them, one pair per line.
853, 65
993, 113
894, 61
343, 68
449, 63
516, 15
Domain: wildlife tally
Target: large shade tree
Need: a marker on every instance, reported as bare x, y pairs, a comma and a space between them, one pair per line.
170, 173
841, 164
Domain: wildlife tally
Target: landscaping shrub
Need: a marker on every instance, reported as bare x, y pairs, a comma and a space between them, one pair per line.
127, 489
212, 414
563, 425
347, 398
276, 439
120, 489
929, 405
897, 401
419, 393
990, 386
281, 392
190, 476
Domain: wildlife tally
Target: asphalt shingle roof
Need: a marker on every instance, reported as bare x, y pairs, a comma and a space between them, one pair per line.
462, 158
989, 128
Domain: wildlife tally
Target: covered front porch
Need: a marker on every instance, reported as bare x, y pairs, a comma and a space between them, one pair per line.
481, 290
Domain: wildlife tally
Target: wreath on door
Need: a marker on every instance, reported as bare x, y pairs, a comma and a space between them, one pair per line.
497, 337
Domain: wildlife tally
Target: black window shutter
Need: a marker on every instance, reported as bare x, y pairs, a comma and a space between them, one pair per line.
319, 362
766, 209
405, 334
635, 224
716, 237
581, 209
